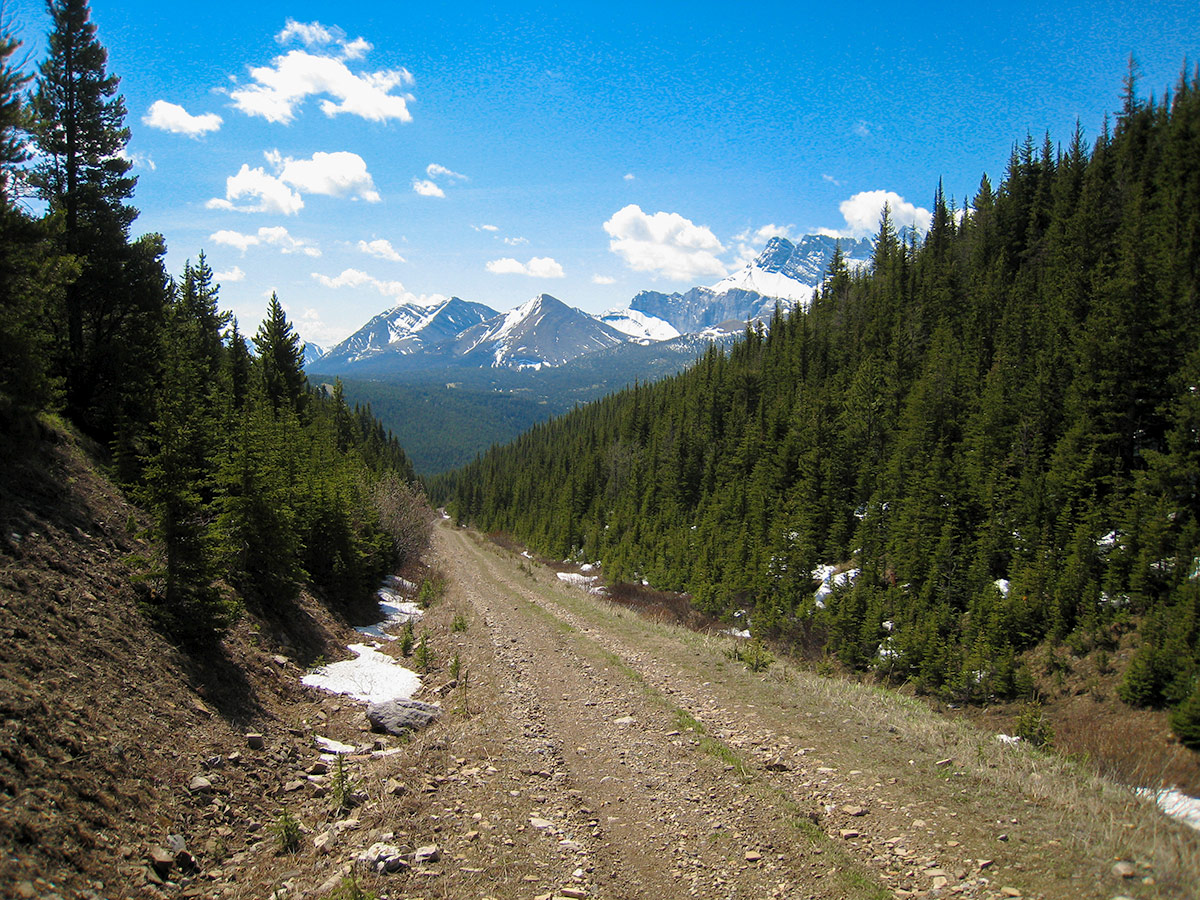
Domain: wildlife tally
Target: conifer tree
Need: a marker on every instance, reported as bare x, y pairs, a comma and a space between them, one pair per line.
280, 360
28, 272
111, 310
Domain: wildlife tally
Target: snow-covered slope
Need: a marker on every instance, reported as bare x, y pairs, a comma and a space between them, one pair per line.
407, 329
543, 331
312, 353
639, 326
792, 271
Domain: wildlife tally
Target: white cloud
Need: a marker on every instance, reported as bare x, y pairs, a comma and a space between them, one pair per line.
603, 279
273, 195
629, 176
309, 33
356, 49
427, 188
515, 241
314, 34
486, 227
665, 244
234, 239
861, 128
277, 236
832, 180
234, 274
433, 170
274, 236
863, 211
380, 248
538, 267
340, 174
353, 278
280, 88
177, 120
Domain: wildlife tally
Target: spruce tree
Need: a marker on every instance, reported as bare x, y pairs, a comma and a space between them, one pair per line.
27, 270
105, 327
280, 360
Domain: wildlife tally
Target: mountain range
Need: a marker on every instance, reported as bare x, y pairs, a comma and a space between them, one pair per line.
454, 378
544, 332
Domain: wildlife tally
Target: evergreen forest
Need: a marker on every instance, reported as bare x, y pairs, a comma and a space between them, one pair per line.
993, 431
257, 482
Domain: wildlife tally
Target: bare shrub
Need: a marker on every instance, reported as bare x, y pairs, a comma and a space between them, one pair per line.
406, 516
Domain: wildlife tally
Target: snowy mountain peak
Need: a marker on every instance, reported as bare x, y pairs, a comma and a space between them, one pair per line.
792, 271
776, 255
543, 331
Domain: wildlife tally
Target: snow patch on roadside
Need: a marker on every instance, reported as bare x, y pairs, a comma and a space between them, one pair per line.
587, 582
372, 676
1176, 804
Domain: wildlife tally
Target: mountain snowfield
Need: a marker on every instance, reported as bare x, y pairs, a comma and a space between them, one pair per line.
544, 332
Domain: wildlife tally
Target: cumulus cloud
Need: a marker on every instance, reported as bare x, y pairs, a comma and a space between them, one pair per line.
314, 34
515, 241
280, 88
353, 278
538, 267
272, 236
267, 193
486, 227
177, 120
427, 188
380, 248
862, 213
665, 244
629, 176
603, 279
340, 174
234, 274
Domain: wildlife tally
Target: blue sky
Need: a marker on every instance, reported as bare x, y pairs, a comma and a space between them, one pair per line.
350, 156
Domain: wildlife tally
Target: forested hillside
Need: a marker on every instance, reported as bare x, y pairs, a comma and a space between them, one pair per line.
256, 482
997, 428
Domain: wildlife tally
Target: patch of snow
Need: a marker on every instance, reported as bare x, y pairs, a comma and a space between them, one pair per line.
845, 578
769, 284
888, 625
587, 582
639, 325
1011, 739
1108, 541
329, 745
396, 611
1176, 804
1002, 585
733, 632
372, 676
822, 573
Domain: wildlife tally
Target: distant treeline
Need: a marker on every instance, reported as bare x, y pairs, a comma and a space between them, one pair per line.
999, 427
256, 482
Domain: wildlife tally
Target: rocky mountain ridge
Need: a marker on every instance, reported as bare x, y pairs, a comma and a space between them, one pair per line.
545, 332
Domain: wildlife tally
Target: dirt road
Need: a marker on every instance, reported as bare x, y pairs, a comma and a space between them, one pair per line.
639, 760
